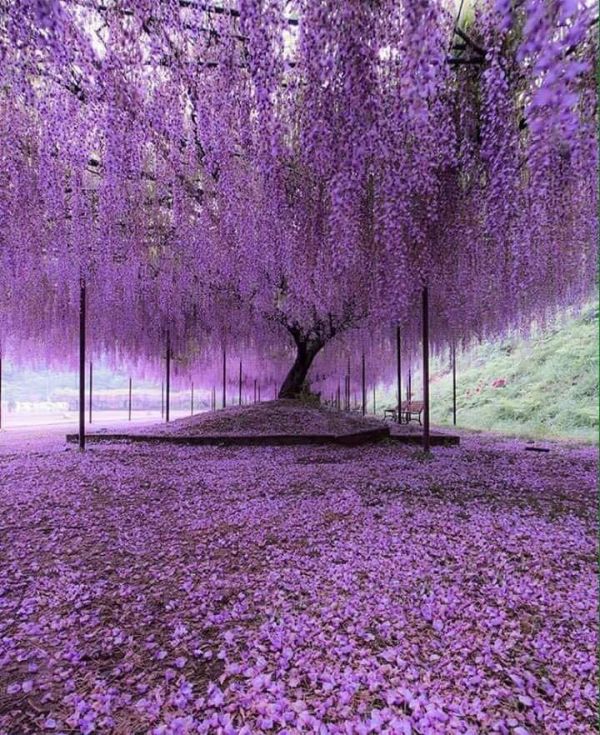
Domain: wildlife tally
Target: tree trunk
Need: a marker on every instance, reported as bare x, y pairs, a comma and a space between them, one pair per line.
294, 382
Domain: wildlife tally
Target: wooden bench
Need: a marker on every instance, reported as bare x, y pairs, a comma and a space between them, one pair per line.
410, 410
390, 413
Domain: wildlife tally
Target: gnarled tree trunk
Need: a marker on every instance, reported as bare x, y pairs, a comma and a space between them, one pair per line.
307, 350
309, 342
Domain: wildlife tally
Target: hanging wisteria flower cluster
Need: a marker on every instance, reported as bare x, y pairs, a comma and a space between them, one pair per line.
246, 172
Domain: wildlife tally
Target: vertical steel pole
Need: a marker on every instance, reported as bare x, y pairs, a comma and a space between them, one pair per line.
90, 396
162, 398
348, 386
192, 400
254, 390
364, 386
240, 386
409, 385
168, 379
399, 373
82, 305
425, 338
374, 402
454, 384
224, 401
129, 418
259, 392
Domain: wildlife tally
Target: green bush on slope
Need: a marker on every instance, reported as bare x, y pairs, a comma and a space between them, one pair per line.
551, 385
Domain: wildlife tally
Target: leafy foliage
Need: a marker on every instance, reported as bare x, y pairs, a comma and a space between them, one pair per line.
546, 386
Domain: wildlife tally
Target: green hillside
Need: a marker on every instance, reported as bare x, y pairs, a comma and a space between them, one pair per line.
546, 386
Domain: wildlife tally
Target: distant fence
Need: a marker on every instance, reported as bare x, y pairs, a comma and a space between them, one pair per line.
118, 400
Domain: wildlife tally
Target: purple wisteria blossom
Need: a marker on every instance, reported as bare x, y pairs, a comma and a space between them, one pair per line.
275, 180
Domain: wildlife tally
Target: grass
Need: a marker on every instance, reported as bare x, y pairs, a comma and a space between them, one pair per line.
550, 383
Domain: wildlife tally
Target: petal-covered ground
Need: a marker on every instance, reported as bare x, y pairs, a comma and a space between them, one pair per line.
149, 589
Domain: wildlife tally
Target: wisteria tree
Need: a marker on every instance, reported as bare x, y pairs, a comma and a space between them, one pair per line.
266, 168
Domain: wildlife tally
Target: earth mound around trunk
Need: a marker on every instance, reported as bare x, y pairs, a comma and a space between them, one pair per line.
284, 416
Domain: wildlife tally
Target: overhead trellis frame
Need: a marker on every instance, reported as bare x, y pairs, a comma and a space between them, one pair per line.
465, 49
475, 54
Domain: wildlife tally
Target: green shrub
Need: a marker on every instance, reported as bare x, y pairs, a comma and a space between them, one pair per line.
551, 383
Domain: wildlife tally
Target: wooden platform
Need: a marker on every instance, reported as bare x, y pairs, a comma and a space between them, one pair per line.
357, 438
243, 440
413, 434
435, 439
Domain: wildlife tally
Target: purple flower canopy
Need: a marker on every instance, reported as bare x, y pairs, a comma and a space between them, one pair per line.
232, 173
